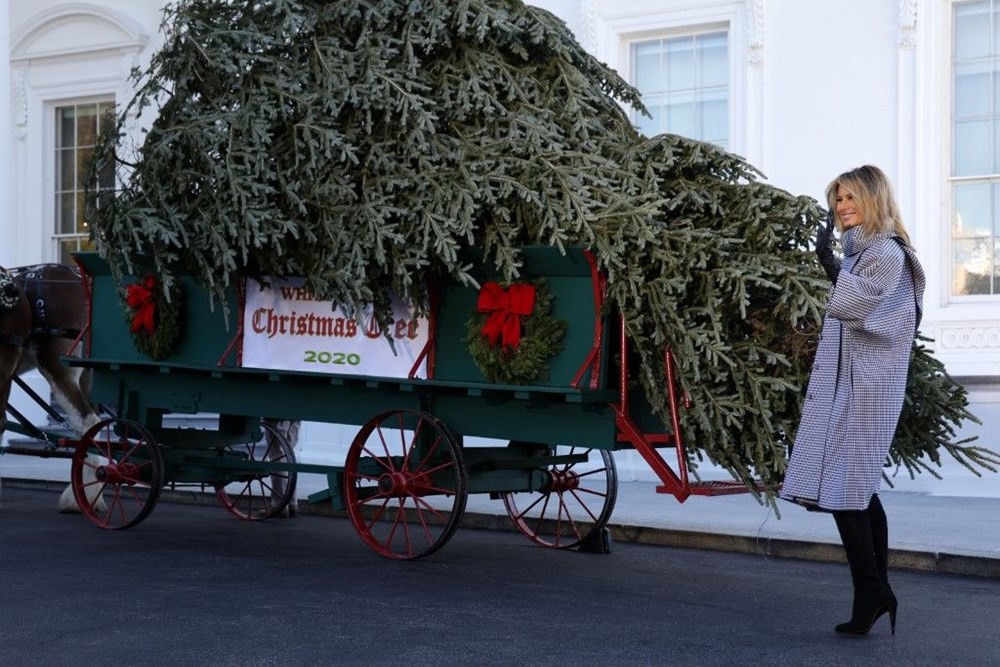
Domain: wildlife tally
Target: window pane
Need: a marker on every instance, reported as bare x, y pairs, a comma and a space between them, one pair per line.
649, 76
996, 209
681, 115
106, 111
66, 127
971, 156
996, 31
65, 175
996, 266
996, 84
81, 222
972, 89
973, 261
972, 22
83, 159
106, 178
86, 125
973, 210
996, 145
656, 124
715, 117
66, 213
713, 60
680, 63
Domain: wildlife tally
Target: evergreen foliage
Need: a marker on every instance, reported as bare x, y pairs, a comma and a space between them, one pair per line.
369, 144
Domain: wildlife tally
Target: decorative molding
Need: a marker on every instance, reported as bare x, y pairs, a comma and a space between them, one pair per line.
755, 38
108, 53
129, 33
907, 23
589, 12
20, 107
970, 337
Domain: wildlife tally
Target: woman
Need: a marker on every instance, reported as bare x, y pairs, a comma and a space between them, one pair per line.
858, 379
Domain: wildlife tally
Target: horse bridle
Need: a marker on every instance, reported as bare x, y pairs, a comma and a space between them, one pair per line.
31, 283
10, 296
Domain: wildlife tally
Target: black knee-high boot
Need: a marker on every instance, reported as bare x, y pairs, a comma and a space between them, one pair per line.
880, 537
872, 597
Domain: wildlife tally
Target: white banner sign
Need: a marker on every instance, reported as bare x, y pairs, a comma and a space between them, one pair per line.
286, 328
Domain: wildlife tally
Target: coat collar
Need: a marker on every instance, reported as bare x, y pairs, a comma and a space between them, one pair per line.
854, 241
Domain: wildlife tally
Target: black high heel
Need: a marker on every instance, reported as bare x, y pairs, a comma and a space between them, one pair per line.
863, 619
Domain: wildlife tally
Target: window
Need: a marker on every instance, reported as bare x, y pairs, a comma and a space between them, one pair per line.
975, 159
77, 129
684, 81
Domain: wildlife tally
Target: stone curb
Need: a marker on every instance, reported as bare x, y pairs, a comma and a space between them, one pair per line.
767, 547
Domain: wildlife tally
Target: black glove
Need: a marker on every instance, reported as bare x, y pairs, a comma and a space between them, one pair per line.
824, 249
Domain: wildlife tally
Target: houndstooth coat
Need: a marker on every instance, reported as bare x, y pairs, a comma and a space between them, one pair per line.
858, 378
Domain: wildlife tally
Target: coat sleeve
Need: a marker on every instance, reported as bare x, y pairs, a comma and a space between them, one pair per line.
860, 291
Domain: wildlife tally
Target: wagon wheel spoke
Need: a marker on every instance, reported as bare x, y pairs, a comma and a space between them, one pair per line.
248, 487
576, 498
117, 473
405, 490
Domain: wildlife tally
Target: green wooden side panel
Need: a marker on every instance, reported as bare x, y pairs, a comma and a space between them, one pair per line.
570, 284
204, 337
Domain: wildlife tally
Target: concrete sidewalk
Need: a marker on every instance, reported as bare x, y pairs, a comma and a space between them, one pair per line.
931, 533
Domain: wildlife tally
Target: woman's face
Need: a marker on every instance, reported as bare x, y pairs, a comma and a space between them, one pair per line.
847, 208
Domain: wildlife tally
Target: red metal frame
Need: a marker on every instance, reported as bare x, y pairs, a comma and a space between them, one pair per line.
237, 339
676, 483
88, 291
592, 362
430, 346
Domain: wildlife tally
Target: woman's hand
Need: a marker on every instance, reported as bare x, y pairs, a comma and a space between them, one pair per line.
824, 249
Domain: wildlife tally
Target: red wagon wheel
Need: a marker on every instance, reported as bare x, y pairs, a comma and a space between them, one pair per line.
117, 473
405, 484
576, 500
258, 494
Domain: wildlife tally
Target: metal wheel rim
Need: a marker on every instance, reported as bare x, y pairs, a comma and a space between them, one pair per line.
129, 473
395, 508
564, 517
261, 497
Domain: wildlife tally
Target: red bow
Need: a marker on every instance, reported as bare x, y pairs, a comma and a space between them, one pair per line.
140, 299
506, 307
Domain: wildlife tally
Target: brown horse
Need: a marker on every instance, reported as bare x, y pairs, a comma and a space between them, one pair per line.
47, 313
15, 327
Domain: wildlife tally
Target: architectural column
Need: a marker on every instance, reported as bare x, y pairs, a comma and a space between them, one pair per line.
7, 231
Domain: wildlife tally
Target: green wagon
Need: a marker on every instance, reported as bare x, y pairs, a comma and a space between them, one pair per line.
410, 468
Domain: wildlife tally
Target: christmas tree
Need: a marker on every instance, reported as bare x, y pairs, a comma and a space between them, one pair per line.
368, 144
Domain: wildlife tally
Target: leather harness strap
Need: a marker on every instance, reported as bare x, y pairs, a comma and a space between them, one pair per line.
31, 283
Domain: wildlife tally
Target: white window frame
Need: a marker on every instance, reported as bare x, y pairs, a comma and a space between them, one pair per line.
630, 42
948, 169
57, 237
619, 27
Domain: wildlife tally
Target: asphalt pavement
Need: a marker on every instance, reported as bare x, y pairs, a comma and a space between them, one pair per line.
927, 533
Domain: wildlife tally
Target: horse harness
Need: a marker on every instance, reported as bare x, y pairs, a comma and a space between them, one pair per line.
31, 281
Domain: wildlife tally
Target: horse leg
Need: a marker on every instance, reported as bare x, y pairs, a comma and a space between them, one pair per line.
9, 358
65, 384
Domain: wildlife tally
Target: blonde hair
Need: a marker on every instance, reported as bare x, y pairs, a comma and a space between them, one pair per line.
873, 192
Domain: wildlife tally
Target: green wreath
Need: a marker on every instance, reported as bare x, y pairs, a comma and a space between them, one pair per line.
539, 337
153, 318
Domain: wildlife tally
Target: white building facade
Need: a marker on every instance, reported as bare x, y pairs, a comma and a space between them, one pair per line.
803, 89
